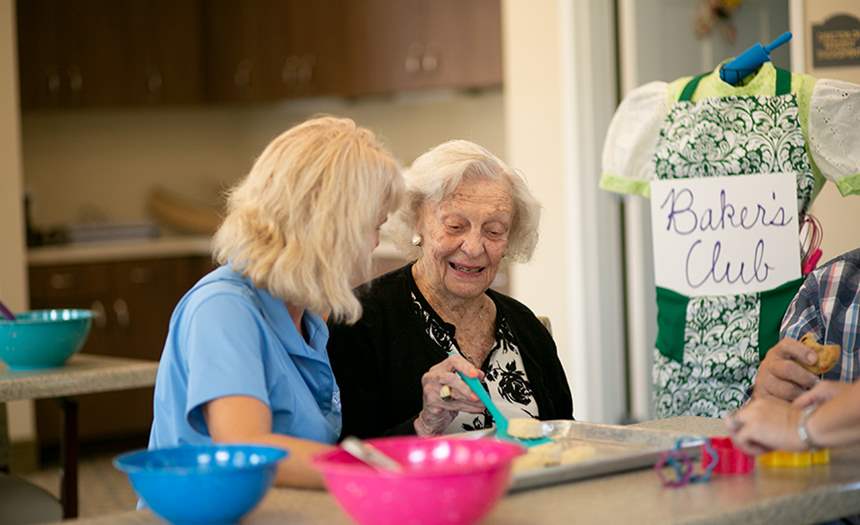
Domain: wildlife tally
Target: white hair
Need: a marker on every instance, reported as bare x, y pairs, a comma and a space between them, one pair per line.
300, 223
436, 174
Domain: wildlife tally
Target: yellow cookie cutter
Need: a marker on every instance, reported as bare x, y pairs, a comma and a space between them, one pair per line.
781, 458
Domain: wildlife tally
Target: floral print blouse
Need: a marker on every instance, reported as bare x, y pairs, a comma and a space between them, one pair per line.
505, 379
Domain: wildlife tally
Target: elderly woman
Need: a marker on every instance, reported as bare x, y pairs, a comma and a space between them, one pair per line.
466, 212
245, 358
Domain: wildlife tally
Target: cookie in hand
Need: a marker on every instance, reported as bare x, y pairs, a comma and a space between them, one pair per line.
827, 354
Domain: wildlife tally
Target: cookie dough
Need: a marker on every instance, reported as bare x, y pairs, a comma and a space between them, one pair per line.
525, 428
538, 457
577, 453
552, 454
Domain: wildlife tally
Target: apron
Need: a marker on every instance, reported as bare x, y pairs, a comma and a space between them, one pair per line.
709, 348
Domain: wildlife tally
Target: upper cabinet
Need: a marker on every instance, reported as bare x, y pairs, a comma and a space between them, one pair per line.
136, 52
165, 52
273, 49
399, 45
107, 53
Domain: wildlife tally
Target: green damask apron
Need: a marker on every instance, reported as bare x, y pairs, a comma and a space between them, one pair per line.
709, 348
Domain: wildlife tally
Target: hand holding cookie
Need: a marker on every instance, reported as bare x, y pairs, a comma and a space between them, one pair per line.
827, 354
782, 373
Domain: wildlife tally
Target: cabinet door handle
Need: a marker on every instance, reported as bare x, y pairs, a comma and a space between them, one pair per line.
120, 310
140, 275
429, 63
430, 58
53, 82
99, 316
76, 79
61, 281
242, 77
306, 69
154, 82
290, 71
413, 58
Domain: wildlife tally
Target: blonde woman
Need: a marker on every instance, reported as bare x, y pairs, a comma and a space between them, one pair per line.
245, 358
467, 212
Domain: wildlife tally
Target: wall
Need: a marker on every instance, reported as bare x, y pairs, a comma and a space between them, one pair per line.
839, 218
13, 276
559, 97
100, 164
839, 215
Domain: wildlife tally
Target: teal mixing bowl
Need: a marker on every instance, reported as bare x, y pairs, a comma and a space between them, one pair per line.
43, 338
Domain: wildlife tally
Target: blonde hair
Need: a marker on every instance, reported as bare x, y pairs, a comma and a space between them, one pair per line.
437, 173
300, 223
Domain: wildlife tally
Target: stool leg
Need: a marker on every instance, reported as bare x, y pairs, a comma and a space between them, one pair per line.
69, 475
4, 440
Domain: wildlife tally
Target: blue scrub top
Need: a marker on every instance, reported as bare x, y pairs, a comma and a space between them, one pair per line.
230, 338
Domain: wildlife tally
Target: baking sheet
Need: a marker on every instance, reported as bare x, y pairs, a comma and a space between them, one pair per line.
617, 449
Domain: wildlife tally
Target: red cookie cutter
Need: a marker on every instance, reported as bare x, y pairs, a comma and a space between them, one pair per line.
731, 460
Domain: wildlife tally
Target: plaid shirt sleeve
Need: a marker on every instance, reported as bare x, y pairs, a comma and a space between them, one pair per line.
804, 314
828, 304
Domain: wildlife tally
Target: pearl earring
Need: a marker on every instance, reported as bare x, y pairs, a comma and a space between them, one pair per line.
416, 239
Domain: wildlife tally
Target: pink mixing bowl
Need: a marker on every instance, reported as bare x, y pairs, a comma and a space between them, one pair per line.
446, 481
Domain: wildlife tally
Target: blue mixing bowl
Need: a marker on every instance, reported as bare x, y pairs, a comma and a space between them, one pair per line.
43, 338
213, 484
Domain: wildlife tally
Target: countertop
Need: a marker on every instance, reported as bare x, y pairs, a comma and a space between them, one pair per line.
82, 374
119, 250
81, 253
803, 495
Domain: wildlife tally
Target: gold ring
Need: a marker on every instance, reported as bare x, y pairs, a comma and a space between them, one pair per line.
445, 393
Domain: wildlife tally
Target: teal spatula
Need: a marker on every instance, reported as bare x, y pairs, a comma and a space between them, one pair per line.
498, 417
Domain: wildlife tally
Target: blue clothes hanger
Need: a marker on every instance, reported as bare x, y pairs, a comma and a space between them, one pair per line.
750, 60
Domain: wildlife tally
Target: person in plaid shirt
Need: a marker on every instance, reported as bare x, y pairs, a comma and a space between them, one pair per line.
828, 304
784, 412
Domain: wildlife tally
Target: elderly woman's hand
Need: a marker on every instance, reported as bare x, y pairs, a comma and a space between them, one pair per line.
765, 424
438, 412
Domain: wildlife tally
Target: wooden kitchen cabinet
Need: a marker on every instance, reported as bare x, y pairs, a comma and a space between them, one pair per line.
40, 57
89, 53
237, 55
133, 301
274, 49
385, 50
165, 64
397, 45
85, 53
261, 50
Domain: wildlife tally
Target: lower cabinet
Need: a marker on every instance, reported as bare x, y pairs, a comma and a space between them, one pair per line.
133, 301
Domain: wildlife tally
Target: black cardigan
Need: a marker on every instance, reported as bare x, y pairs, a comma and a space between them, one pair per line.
378, 362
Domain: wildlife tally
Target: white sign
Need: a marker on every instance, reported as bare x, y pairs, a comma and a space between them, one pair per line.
725, 235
